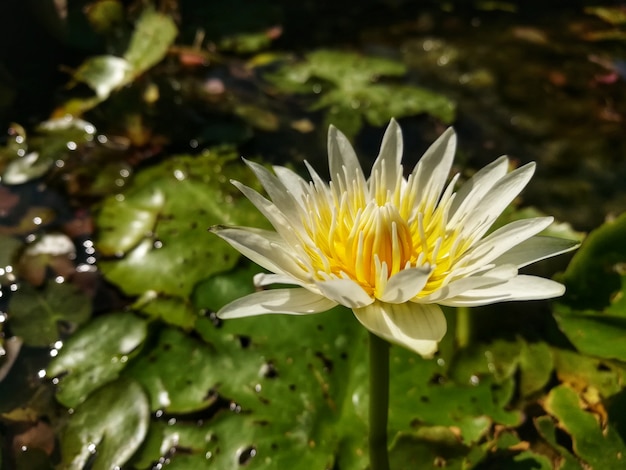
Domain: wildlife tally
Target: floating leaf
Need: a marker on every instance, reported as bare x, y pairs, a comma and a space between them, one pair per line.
191, 194
104, 74
599, 445
546, 427
349, 94
36, 314
172, 310
613, 15
26, 168
95, 355
9, 247
107, 428
596, 335
592, 276
153, 35
587, 373
173, 388
535, 365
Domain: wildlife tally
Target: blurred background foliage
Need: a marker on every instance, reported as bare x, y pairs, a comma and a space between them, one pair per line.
125, 121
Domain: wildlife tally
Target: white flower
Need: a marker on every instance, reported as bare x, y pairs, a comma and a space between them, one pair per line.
391, 248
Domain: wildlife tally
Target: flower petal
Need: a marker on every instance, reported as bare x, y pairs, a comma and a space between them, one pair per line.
480, 183
345, 292
493, 277
294, 183
518, 288
265, 248
342, 160
496, 200
431, 172
406, 284
535, 249
415, 326
295, 301
272, 213
388, 162
504, 238
277, 192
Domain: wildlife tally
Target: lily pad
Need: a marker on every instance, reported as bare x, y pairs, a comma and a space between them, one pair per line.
178, 372
95, 355
598, 445
596, 335
37, 314
169, 250
154, 33
592, 277
9, 247
346, 83
107, 429
588, 373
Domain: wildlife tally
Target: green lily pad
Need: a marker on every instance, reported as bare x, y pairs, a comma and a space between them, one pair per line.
36, 314
348, 92
599, 446
588, 373
592, 276
172, 310
536, 366
104, 74
95, 355
178, 372
9, 247
596, 335
178, 201
107, 429
154, 33
547, 428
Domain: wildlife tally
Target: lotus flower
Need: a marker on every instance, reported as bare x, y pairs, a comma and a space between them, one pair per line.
390, 248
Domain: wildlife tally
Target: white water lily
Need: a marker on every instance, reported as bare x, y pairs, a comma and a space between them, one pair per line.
388, 247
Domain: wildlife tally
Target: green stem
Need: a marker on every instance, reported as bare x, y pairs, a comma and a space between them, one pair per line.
463, 327
379, 402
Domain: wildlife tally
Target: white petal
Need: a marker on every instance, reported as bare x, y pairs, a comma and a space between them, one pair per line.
518, 288
455, 288
389, 157
277, 192
479, 184
345, 292
535, 249
265, 279
496, 200
434, 167
405, 284
275, 216
265, 248
295, 301
341, 155
294, 184
415, 326
503, 239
